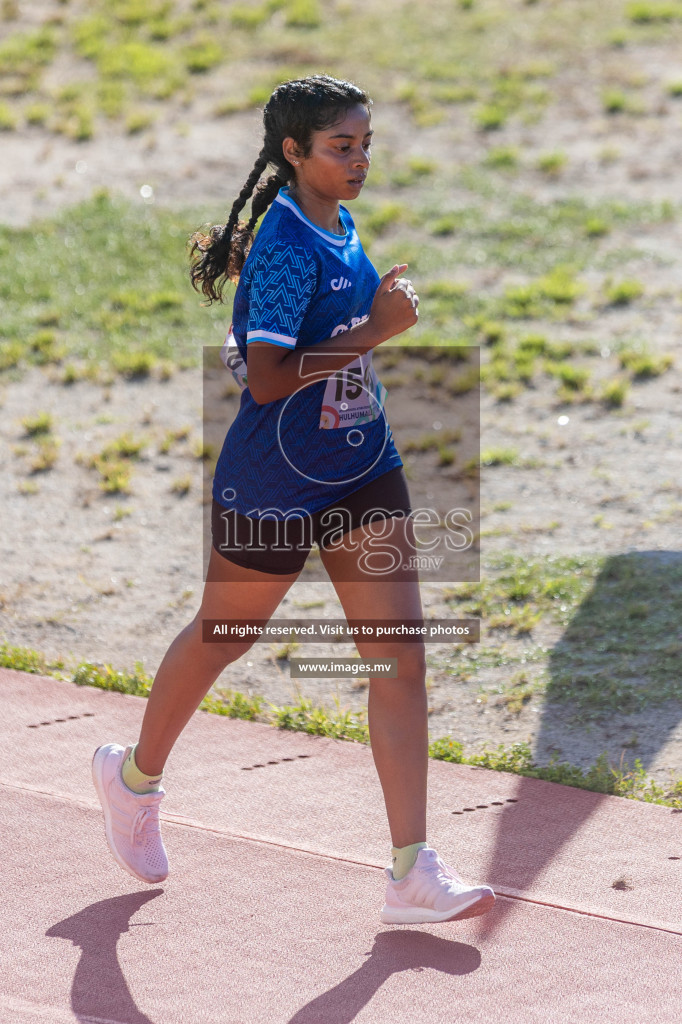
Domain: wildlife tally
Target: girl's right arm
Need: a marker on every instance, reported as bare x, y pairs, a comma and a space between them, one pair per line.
275, 373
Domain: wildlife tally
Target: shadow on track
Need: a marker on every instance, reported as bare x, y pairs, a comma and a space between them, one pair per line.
610, 667
392, 953
99, 991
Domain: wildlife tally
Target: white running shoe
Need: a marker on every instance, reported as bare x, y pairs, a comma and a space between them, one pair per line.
131, 820
432, 892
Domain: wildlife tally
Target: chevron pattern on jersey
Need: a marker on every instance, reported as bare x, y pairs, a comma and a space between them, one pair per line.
298, 465
272, 489
276, 455
281, 283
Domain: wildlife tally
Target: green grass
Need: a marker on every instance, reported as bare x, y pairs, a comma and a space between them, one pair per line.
624, 292
344, 724
24, 54
303, 14
23, 659
432, 441
601, 777
519, 233
540, 297
118, 299
657, 11
202, 54
124, 447
104, 677
490, 117
44, 347
383, 217
173, 437
614, 392
553, 587
133, 365
552, 164
150, 66
619, 649
181, 486
622, 649
614, 101
112, 463
251, 16
118, 296
39, 423
643, 364
415, 170
37, 113
595, 227
482, 56
45, 455
502, 158
138, 120
499, 456
8, 118
572, 377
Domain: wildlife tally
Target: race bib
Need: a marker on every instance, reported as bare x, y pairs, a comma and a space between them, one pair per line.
353, 395
231, 357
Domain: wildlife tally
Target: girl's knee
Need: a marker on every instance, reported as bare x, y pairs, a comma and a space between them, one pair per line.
227, 653
412, 663
221, 652
409, 658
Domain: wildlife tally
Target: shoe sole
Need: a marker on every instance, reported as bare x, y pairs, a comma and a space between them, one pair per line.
477, 905
97, 765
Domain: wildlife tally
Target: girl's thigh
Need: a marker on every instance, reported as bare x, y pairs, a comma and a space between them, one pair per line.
234, 592
384, 587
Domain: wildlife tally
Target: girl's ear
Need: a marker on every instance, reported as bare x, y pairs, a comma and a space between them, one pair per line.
291, 151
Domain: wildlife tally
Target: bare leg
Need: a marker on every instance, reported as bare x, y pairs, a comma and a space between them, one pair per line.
397, 708
190, 667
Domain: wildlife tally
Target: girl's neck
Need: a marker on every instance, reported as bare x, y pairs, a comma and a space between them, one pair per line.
323, 213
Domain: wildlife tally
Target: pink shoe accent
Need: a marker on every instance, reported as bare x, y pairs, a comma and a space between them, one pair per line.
131, 820
431, 892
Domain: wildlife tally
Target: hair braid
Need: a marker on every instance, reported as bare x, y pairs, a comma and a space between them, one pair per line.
221, 253
263, 197
250, 184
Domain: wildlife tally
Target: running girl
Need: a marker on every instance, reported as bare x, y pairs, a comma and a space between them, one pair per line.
310, 457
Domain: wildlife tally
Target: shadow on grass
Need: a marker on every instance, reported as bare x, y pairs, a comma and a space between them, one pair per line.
615, 675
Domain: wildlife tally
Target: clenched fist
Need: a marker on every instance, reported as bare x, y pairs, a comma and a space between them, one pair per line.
395, 305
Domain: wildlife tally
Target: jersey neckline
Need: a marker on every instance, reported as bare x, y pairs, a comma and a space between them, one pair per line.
285, 199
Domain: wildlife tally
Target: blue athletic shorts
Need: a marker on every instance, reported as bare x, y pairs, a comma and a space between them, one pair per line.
282, 546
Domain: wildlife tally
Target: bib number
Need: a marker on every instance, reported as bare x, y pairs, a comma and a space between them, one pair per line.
352, 396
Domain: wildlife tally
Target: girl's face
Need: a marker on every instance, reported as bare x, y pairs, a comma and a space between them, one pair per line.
339, 157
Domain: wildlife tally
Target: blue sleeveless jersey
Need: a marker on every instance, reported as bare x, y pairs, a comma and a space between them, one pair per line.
301, 284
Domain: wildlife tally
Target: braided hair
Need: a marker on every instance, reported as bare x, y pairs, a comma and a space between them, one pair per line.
296, 109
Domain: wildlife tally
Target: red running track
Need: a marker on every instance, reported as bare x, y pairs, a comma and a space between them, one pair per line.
276, 842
